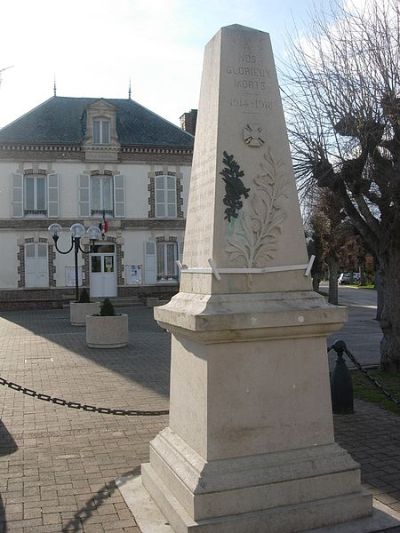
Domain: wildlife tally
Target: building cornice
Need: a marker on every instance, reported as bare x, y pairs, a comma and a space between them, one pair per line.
19, 152
32, 224
15, 147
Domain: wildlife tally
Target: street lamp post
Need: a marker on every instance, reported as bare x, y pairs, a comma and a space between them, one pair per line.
77, 232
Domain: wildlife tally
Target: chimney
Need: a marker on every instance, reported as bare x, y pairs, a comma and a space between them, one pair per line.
188, 121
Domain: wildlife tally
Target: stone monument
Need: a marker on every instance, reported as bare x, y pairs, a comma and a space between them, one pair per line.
250, 444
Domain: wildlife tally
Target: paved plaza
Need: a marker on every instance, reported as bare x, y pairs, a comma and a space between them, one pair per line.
58, 466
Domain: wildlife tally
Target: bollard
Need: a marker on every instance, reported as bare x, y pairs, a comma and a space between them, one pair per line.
341, 383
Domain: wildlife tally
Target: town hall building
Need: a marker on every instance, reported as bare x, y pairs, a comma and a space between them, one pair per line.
108, 162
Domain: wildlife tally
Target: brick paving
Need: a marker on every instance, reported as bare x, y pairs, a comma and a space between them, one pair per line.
58, 466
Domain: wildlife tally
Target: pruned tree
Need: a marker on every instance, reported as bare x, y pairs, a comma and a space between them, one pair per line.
329, 230
343, 105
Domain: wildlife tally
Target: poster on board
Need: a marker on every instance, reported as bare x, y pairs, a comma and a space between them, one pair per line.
70, 276
133, 274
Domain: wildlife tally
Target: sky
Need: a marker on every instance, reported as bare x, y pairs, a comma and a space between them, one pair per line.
94, 47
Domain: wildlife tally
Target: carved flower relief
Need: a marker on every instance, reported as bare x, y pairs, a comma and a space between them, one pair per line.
253, 236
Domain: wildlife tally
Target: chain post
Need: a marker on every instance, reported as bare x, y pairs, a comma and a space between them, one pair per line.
341, 383
77, 405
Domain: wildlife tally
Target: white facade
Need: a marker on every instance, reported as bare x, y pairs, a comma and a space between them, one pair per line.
141, 192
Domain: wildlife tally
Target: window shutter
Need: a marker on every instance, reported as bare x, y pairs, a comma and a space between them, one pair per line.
52, 195
171, 196
150, 263
17, 199
119, 196
180, 251
180, 257
160, 196
83, 200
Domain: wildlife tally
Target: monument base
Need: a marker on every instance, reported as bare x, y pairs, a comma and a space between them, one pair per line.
150, 519
250, 443
281, 492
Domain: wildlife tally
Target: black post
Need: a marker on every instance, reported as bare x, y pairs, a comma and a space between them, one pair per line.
341, 383
76, 240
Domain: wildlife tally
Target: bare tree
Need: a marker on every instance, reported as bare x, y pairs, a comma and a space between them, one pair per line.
343, 102
330, 230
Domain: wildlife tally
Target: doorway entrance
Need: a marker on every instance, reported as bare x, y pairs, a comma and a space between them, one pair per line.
103, 271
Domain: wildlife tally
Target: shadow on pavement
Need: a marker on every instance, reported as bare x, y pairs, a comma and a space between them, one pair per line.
145, 361
2, 517
7, 443
101, 496
7, 447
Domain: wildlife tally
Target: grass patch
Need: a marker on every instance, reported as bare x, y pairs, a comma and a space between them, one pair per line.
365, 390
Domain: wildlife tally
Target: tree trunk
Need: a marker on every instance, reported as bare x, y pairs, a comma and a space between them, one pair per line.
390, 316
379, 294
316, 280
333, 281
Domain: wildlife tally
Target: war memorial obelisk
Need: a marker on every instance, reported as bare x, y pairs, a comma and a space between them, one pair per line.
250, 444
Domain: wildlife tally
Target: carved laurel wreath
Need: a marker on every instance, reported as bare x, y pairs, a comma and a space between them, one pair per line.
254, 238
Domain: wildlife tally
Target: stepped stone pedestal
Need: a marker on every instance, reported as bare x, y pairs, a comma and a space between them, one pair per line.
250, 444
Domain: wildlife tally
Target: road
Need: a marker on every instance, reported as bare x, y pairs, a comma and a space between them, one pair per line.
361, 332
357, 297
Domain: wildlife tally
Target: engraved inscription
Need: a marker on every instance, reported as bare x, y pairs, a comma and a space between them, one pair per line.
200, 222
256, 72
250, 84
250, 78
254, 104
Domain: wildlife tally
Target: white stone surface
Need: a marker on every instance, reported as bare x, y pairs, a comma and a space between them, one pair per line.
147, 515
250, 445
107, 331
150, 519
239, 98
79, 311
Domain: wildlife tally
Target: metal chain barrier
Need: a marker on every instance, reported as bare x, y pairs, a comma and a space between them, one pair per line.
77, 405
340, 346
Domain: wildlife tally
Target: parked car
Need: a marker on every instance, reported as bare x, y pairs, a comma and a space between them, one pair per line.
345, 278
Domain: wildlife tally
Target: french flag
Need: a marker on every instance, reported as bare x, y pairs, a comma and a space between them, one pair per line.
104, 225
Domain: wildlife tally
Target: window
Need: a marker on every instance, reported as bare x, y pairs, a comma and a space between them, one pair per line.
165, 196
101, 131
35, 202
167, 255
101, 195
36, 265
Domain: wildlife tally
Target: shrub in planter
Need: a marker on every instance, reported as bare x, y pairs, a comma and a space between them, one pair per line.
81, 308
107, 308
107, 330
84, 297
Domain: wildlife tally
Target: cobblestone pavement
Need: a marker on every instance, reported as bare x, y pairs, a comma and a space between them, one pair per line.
58, 466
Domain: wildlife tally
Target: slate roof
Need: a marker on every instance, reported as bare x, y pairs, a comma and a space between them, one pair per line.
62, 120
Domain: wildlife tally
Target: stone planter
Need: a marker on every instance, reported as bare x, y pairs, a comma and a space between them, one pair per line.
78, 312
107, 331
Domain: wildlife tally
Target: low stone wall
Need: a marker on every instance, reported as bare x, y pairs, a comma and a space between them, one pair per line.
57, 298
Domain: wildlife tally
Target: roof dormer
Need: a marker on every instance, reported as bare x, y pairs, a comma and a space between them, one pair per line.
101, 142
